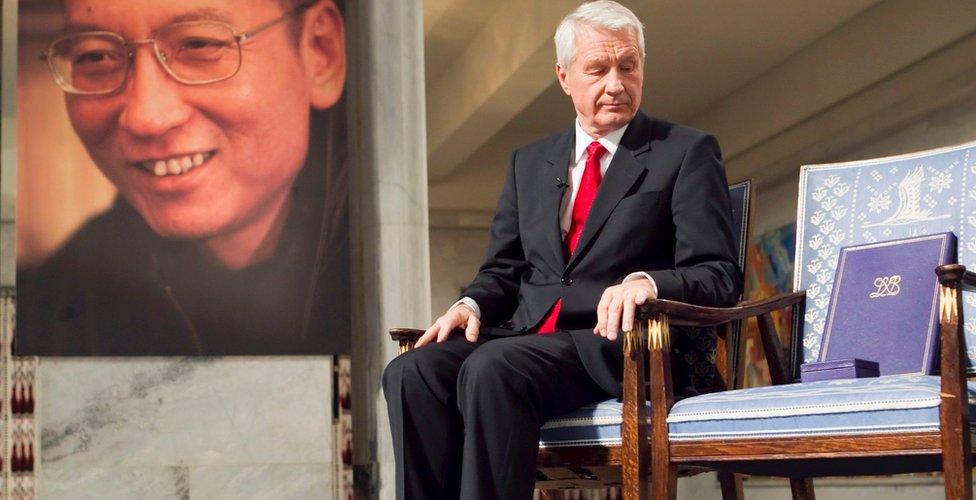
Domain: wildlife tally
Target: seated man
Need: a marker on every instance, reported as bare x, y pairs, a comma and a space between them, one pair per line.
591, 222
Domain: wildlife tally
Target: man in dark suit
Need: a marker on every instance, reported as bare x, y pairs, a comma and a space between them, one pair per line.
591, 223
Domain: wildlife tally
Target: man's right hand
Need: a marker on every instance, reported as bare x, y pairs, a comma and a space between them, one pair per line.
459, 316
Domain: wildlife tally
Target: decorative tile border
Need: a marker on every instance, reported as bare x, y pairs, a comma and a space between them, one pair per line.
18, 440
342, 479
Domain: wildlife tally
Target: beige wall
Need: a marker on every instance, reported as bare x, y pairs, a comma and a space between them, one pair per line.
455, 254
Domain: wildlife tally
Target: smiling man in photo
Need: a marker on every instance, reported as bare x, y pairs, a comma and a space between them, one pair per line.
200, 113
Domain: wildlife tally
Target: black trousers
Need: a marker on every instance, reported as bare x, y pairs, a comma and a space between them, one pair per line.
465, 417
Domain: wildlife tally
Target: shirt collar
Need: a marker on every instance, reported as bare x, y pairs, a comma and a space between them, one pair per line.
610, 141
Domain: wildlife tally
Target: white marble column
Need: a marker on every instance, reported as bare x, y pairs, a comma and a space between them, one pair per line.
389, 213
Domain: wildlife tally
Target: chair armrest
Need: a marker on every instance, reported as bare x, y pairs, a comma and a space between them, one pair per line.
407, 337
408, 334
955, 272
680, 313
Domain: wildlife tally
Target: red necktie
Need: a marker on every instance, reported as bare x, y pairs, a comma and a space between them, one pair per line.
581, 208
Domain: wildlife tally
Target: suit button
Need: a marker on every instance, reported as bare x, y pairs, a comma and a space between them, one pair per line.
566, 281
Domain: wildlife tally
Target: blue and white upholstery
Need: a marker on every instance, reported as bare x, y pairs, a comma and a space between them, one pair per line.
883, 405
595, 424
840, 205
883, 199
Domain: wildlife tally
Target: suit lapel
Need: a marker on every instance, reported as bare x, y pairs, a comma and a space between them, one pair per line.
623, 171
552, 191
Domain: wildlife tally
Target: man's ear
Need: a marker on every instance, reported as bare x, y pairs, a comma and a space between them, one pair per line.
561, 76
322, 47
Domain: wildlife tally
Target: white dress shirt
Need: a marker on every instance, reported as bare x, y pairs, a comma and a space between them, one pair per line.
574, 174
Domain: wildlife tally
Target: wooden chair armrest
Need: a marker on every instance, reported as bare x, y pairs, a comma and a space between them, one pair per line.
680, 313
407, 337
955, 272
408, 334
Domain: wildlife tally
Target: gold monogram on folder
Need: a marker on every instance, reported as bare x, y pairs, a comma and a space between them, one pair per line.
887, 286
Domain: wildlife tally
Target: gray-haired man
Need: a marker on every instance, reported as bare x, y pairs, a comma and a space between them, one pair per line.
591, 222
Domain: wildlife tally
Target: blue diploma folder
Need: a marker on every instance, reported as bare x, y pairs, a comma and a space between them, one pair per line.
885, 303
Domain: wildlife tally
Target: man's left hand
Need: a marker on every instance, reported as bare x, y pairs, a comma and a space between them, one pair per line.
618, 304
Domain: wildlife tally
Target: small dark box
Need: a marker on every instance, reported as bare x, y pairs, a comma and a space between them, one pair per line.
840, 368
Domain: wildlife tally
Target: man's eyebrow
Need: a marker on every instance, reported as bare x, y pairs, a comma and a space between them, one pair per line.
73, 27
201, 14
594, 60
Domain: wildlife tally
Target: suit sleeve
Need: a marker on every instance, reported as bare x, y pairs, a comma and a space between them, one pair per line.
705, 270
495, 288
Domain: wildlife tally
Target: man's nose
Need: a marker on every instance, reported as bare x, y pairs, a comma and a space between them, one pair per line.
154, 102
614, 83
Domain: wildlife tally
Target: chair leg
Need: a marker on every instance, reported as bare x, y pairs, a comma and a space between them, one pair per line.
664, 473
633, 428
802, 488
954, 421
956, 472
664, 482
731, 485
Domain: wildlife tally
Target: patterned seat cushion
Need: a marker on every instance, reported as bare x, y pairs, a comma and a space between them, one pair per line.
595, 424
892, 404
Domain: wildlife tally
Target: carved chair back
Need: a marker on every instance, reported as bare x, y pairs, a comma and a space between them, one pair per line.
876, 200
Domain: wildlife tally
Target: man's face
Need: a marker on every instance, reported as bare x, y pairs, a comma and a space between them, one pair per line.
605, 79
246, 137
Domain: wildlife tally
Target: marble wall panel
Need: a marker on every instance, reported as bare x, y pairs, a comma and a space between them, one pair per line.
279, 481
185, 428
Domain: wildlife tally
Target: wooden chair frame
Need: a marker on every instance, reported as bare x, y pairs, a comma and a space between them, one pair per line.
803, 457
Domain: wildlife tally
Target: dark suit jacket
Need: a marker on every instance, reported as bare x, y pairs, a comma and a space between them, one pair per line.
662, 207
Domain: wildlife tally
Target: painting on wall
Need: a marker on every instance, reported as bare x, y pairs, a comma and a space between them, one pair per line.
769, 271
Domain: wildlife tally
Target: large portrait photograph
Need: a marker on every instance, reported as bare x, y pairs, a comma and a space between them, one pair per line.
181, 178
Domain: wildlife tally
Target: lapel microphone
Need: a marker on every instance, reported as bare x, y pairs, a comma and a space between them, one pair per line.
561, 184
